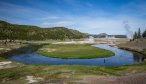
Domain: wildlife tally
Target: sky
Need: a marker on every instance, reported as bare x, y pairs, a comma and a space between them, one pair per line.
88, 16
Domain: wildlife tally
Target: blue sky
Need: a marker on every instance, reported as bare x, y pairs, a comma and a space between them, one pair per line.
90, 16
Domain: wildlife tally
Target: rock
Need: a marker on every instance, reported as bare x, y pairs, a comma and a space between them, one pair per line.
5, 63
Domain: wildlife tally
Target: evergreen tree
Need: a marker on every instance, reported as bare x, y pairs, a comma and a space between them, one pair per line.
135, 36
139, 34
144, 34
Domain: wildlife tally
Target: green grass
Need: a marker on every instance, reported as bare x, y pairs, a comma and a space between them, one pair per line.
144, 51
2, 59
73, 51
60, 72
54, 72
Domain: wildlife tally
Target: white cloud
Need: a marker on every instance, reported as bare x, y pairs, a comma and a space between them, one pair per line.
58, 23
48, 18
92, 21
113, 25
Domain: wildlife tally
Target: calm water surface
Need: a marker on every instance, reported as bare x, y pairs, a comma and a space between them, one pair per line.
122, 57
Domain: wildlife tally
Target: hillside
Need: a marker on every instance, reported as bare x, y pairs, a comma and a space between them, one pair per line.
28, 32
101, 35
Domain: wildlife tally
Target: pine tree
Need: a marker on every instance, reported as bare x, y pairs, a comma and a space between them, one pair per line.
144, 34
135, 36
139, 34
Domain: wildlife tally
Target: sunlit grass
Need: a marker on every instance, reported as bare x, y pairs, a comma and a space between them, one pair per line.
57, 72
73, 51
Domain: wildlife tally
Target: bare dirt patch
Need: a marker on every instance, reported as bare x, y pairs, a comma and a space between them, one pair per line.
138, 45
32, 79
5, 64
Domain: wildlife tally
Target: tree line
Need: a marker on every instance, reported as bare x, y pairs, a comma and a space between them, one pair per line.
139, 34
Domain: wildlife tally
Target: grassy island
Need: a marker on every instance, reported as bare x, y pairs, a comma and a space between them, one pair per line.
74, 51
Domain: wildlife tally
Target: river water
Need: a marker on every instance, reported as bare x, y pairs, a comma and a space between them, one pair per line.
122, 57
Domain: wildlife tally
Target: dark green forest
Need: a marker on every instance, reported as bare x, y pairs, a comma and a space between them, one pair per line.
139, 35
28, 32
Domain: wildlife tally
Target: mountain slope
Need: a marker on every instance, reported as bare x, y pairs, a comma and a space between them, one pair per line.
28, 32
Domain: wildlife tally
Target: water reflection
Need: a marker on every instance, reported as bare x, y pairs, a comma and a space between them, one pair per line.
137, 57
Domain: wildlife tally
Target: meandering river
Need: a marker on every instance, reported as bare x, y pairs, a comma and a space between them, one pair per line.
122, 57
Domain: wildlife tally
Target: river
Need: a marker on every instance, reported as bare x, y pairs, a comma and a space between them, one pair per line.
121, 57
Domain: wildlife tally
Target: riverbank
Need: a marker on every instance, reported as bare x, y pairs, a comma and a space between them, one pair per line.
74, 51
137, 46
16, 73
9, 46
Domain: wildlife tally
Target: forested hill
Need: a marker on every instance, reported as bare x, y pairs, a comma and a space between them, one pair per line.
27, 32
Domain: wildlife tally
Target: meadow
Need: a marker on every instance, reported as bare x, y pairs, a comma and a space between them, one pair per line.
74, 51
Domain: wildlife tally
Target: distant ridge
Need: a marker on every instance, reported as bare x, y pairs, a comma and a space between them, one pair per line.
104, 35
